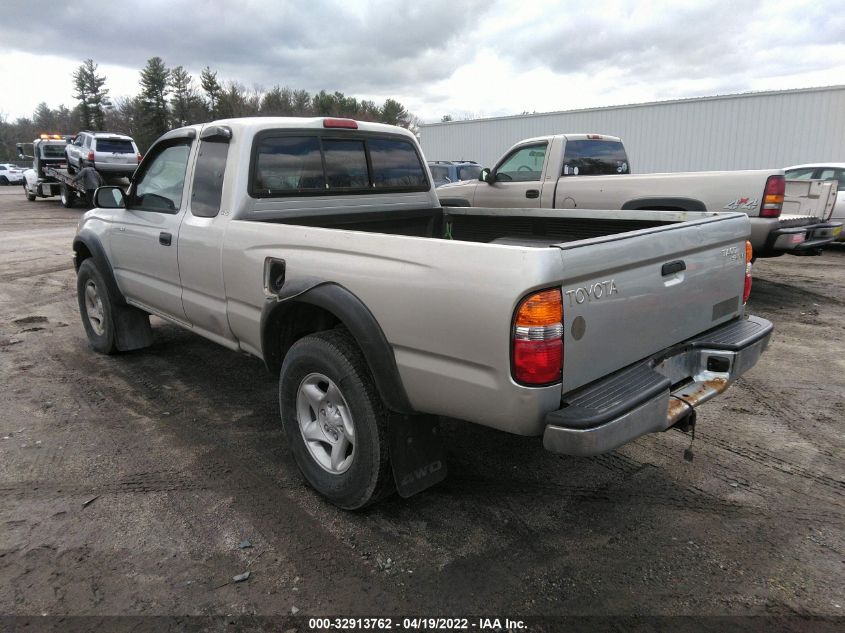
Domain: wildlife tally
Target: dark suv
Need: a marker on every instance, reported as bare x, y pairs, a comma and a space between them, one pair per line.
446, 171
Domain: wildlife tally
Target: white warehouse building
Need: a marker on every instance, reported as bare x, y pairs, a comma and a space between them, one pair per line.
755, 130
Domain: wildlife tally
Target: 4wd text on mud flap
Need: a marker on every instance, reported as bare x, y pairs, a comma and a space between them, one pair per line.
422, 472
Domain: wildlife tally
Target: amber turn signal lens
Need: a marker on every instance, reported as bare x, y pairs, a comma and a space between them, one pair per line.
542, 308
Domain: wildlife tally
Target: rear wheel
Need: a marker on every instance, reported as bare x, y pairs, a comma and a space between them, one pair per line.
68, 196
335, 420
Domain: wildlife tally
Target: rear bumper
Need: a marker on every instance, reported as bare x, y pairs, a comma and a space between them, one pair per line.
655, 394
801, 239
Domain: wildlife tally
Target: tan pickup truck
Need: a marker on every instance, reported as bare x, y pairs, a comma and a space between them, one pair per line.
592, 171
319, 246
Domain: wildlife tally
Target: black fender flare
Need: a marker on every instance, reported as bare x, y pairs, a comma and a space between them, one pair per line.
684, 204
90, 241
357, 318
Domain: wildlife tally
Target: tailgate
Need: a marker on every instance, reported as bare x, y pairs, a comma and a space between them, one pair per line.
814, 198
626, 298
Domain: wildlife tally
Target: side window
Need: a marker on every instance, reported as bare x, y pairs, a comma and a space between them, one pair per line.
160, 186
834, 174
208, 178
800, 174
471, 172
87, 142
288, 164
523, 165
439, 172
395, 164
346, 164
594, 157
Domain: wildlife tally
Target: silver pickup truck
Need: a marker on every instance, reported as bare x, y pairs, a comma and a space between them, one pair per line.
592, 171
319, 246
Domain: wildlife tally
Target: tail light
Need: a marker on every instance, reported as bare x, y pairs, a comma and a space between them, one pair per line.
773, 197
537, 350
746, 291
139, 156
91, 156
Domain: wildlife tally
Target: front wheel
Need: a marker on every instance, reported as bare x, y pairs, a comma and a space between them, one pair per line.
96, 308
70, 168
29, 194
3, 181
335, 420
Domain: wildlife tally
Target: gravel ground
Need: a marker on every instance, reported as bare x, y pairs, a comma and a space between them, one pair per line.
129, 484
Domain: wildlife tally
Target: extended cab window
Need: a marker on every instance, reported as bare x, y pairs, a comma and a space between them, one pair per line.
395, 164
594, 157
288, 164
208, 178
800, 174
159, 187
523, 164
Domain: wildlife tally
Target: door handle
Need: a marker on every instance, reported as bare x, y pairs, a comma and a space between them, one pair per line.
673, 267
532, 193
165, 238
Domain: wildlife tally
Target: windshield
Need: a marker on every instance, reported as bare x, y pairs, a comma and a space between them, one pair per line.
53, 150
470, 172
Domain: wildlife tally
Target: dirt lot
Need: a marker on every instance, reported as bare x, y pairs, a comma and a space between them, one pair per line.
181, 449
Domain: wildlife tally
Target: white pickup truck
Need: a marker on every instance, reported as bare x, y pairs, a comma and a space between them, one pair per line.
591, 171
319, 246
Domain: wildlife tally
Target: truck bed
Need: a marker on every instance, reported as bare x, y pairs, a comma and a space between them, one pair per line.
537, 228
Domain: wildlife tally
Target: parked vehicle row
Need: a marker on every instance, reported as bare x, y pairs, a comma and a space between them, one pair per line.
592, 171
319, 245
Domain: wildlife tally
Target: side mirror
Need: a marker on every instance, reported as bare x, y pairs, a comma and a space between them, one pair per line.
486, 175
110, 198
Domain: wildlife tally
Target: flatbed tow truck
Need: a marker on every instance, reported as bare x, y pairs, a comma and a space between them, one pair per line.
48, 176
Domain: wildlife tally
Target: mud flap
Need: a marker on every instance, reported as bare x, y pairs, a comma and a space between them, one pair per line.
416, 453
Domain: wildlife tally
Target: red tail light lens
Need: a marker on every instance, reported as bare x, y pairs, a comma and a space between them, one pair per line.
537, 350
773, 197
91, 156
746, 291
139, 156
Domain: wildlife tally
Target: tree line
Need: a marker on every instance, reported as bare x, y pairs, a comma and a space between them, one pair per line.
171, 97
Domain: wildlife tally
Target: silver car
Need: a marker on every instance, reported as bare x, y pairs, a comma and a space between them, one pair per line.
10, 174
108, 153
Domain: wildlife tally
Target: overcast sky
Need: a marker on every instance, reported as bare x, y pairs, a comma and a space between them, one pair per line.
458, 57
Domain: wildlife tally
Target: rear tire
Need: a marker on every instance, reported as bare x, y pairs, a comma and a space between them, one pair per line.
68, 196
326, 392
96, 308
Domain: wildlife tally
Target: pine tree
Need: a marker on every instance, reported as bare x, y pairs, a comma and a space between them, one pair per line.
93, 97
394, 113
212, 89
183, 101
154, 90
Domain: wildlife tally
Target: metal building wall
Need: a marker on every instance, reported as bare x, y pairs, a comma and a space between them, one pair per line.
747, 131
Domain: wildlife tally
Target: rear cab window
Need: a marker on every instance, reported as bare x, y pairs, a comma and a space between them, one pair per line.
594, 157
320, 163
